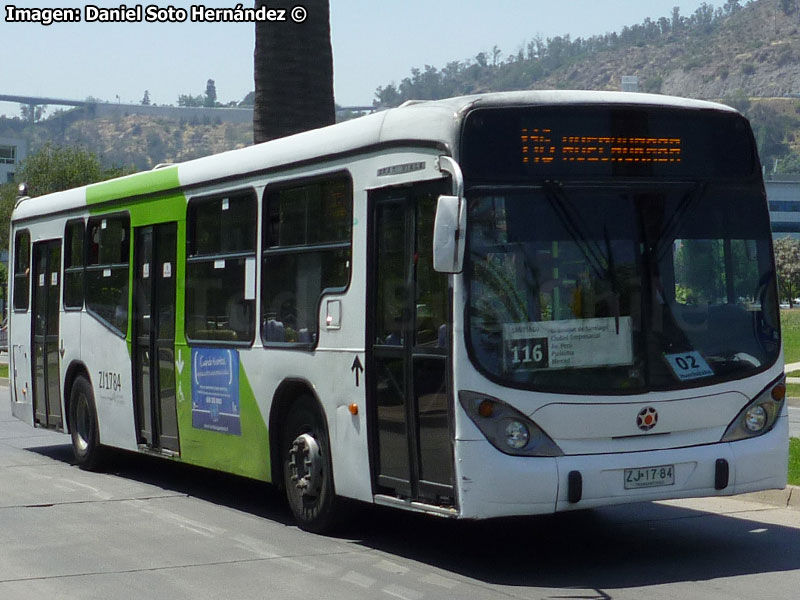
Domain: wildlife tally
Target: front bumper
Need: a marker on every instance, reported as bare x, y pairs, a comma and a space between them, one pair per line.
492, 484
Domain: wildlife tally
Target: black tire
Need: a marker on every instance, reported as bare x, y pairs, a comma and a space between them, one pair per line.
309, 489
89, 454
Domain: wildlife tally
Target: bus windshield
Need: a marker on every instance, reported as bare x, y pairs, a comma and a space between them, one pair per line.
615, 289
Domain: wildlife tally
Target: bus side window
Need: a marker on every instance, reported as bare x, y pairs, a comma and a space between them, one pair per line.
73, 264
307, 233
221, 245
22, 270
107, 270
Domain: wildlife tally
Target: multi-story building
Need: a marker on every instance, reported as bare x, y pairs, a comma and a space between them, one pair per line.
12, 152
784, 206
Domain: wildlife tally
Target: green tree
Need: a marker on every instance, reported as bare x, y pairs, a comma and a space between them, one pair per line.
677, 19
248, 100
51, 169
769, 128
738, 100
54, 168
189, 100
32, 113
787, 263
210, 100
293, 72
732, 6
146, 98
387, 96
789, 165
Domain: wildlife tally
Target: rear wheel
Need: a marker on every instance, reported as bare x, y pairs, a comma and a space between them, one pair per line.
307, 468
89, 454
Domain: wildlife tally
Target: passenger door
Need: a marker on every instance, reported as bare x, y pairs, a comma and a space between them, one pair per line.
154, 336
45, 326
409, 400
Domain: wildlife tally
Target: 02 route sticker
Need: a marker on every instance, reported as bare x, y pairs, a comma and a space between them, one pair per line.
688, 365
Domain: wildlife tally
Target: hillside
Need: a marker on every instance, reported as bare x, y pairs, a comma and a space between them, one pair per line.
133, 142
751, 48
754, 50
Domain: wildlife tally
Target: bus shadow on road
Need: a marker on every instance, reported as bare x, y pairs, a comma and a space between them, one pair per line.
59, 452
614, 547
246, 495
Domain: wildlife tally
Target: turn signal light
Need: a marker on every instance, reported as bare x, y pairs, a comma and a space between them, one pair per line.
353, 408
486, 409
778, 392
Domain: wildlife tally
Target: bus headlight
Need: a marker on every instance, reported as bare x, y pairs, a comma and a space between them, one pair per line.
759, 415
517, 435
506, 428
755, 418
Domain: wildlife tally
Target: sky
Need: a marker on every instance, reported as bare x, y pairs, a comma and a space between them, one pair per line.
375, 43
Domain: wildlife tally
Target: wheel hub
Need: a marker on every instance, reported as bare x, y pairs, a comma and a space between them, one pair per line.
305, 465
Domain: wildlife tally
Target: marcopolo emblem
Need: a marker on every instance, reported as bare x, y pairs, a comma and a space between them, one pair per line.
647, 418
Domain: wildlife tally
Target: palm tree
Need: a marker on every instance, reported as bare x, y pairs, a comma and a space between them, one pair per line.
293, 67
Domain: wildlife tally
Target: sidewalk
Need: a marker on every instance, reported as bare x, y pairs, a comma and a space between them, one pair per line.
788, 497
788, 368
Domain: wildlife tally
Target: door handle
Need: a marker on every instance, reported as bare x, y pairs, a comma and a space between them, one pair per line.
62, 349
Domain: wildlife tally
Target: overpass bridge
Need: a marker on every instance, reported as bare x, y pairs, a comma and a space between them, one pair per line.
108, 109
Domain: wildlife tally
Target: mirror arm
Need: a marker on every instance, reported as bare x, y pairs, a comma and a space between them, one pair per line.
447, 165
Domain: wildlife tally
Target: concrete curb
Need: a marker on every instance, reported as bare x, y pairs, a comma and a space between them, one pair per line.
788, 497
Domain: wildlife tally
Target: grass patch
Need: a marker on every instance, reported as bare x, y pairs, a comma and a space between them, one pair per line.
790, 330
793, 374
3, 370
794, 461
793, 390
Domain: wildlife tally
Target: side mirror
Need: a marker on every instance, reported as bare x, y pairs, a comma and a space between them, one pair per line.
449, 235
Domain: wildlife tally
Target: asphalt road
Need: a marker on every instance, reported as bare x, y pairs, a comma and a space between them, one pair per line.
152, 529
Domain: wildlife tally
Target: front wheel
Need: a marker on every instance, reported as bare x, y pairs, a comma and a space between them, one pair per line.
89, 454
307, 468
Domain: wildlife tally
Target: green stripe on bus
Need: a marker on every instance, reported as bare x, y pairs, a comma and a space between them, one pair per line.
149, 182
246, 454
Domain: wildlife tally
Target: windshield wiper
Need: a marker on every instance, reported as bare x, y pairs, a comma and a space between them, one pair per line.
612, 275
559, 202
603, 265
666, 236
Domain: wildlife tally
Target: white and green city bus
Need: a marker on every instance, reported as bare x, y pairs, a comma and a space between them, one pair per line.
494, 305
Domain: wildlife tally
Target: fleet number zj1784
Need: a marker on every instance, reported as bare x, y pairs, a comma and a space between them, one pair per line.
110, 381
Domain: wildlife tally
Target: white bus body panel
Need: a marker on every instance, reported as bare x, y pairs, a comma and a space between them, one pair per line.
20, 365
103, 350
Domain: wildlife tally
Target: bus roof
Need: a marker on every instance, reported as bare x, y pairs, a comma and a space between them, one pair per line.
415, 123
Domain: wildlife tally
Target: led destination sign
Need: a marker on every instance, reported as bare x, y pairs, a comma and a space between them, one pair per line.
542, 146
588, 142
